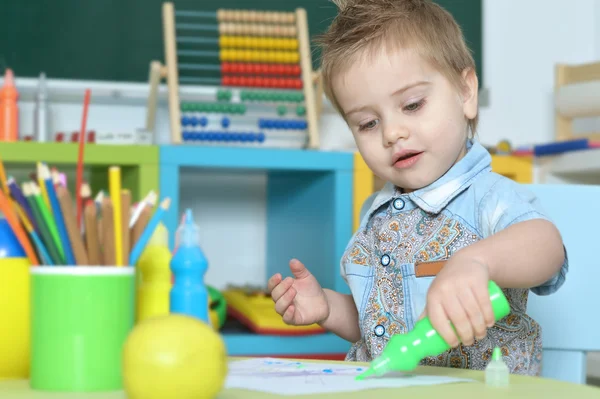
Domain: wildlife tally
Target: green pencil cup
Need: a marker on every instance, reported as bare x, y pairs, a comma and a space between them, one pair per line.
80, 319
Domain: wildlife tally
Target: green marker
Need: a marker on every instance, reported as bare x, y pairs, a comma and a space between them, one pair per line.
404, 351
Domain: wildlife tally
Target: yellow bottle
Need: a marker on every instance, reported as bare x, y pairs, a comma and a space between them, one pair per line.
154, 282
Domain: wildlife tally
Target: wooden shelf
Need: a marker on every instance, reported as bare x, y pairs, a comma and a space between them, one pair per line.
576, 163
66, 153
140, 164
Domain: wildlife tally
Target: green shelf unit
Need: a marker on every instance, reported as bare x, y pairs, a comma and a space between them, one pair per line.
139, 164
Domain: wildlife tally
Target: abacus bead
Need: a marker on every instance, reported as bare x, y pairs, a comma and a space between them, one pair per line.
225, 122
203, 121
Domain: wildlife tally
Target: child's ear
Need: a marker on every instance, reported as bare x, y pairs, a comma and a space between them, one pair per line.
470, 93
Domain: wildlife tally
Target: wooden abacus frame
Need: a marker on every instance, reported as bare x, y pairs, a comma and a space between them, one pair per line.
229, 22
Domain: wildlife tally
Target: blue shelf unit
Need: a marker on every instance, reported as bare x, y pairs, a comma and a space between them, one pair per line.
309, 216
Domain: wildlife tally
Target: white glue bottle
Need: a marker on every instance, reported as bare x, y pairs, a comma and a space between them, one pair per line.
496, 372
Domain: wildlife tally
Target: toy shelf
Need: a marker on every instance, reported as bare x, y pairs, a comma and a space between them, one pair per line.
306, 198
576, 167
139, 163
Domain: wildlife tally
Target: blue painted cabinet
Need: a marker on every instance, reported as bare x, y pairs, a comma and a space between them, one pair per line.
308, 199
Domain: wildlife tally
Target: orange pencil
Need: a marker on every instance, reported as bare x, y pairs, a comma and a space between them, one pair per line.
15, 225
66, 205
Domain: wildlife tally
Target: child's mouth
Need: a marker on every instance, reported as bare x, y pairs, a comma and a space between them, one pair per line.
407, 160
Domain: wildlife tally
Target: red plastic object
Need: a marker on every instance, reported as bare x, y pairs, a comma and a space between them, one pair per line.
246, 68
258, 81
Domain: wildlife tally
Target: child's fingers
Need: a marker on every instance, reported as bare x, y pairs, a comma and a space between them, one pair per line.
458, 316
441, 323
273, 281
483, 299
285, 301
281, 288
474, 313
288, 316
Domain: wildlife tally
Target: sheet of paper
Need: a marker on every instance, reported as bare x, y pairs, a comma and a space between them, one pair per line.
286, 377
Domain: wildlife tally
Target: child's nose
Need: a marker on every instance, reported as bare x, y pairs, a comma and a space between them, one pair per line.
394, 133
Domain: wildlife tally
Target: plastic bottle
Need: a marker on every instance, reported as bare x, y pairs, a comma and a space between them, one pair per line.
40, 113
189, 294
9, 110
404, 351
154, 282
497, 374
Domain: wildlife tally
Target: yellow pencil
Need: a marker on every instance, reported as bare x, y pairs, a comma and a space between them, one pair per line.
114, 182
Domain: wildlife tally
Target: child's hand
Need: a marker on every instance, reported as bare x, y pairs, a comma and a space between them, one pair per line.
299, 300
459, 294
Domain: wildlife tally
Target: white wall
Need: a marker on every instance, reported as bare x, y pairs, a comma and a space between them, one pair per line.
520, 49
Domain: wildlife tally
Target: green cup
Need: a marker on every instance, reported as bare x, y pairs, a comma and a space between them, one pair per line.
80, 319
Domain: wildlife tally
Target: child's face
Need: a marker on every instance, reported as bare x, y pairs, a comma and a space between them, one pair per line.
397, 105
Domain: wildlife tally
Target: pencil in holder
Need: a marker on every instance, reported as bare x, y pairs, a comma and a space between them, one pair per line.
80, 319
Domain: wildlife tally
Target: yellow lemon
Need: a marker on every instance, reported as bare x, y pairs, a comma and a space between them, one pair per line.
173, 355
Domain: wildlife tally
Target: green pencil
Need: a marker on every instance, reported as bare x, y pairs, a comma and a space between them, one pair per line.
44, 231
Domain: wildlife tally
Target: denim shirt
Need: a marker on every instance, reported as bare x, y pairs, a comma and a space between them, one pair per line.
403, 241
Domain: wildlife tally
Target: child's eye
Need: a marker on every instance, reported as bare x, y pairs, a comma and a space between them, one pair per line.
368, 126
414, 106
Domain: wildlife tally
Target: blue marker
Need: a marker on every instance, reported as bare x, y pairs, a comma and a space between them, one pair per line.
189, 295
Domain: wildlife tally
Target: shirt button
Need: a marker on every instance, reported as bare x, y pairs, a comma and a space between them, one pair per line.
379, 330
398, 203
385, 260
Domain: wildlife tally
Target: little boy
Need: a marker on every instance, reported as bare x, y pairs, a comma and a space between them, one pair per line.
400, 74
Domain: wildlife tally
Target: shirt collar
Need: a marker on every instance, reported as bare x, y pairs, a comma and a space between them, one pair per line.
435, 197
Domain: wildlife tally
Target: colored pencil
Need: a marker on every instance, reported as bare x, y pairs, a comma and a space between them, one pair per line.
98, 202
140, 225
114, 183
57, 212
148, 201
79, 176
43, 252
48, 220
137, 250
66, 205
108, 232
45, 233
13, 222
18, 196
125, 215
42, 187
91, 234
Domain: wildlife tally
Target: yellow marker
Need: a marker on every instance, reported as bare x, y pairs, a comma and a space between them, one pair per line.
114, 182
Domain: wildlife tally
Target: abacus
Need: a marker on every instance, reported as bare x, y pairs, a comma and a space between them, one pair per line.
262, 88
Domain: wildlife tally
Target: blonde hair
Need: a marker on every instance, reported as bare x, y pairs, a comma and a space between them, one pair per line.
364, 27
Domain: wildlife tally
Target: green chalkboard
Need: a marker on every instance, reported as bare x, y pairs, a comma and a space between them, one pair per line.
116, 39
